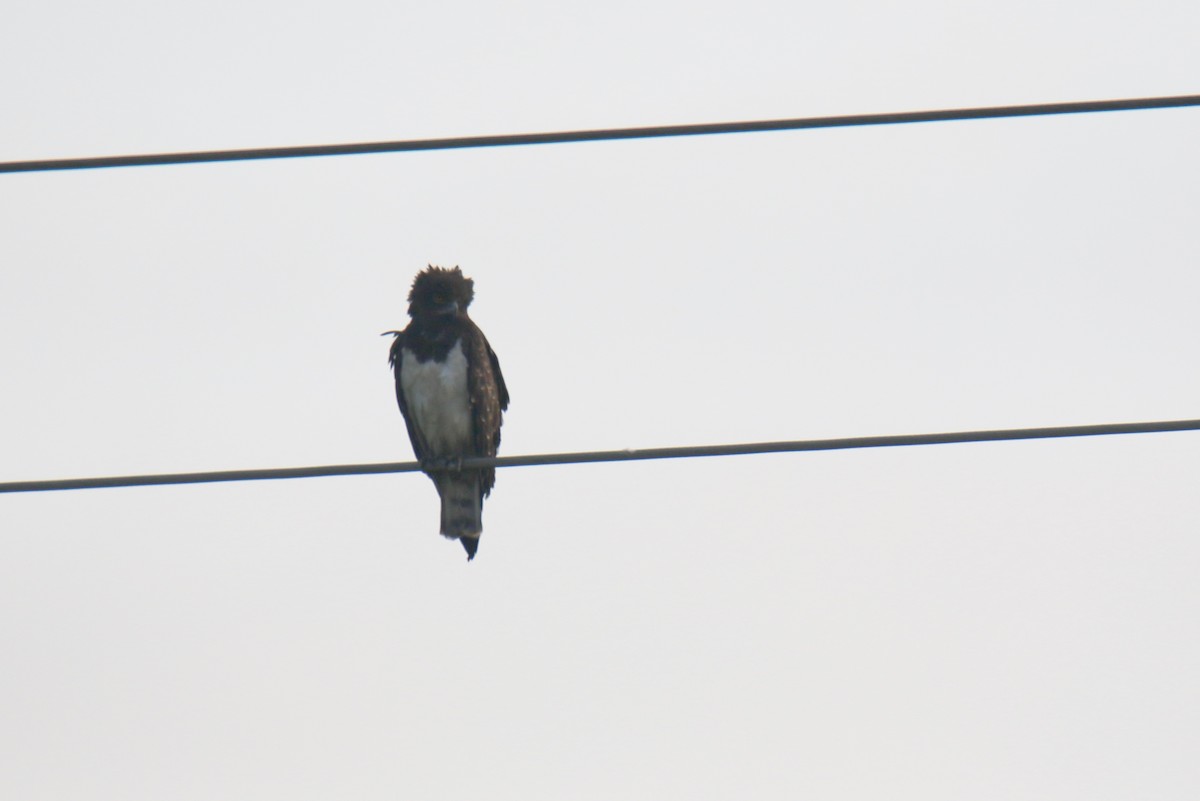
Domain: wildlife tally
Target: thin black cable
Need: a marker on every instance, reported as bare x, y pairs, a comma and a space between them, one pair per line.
655, 131
630, 454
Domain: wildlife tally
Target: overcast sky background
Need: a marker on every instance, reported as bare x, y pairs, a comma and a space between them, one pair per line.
1013, 620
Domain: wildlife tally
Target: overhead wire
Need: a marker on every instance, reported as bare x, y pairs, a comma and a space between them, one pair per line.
604, 134
847, 443
626, 455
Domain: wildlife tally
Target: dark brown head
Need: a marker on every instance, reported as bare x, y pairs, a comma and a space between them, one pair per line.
438, 291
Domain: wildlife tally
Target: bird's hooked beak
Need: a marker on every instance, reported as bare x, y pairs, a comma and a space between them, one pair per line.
449, 309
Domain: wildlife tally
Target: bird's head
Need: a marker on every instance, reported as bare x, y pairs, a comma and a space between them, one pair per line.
438, 291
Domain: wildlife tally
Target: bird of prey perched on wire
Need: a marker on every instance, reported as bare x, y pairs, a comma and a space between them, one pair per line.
451, 393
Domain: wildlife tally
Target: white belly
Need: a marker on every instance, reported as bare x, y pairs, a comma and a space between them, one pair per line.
438, 401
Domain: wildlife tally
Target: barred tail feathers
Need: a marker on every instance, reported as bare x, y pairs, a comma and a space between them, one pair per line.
462, 508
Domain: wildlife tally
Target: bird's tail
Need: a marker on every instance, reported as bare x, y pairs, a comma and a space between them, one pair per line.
462, 508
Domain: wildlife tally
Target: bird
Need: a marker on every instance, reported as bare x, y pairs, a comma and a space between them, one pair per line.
452, 395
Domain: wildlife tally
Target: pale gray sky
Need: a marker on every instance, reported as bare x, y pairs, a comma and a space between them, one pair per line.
1000, 621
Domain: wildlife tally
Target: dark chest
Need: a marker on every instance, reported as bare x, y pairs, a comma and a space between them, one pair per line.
433, 342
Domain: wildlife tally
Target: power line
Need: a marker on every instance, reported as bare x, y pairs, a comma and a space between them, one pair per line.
630, 454
655, 131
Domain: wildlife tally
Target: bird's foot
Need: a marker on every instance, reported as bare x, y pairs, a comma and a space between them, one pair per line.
451, 464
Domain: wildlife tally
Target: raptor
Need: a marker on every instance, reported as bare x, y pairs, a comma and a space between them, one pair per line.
452, 395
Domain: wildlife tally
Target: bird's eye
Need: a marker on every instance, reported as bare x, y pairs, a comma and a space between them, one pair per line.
439, 298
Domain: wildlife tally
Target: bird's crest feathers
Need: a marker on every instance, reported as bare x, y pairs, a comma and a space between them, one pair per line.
435, 286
